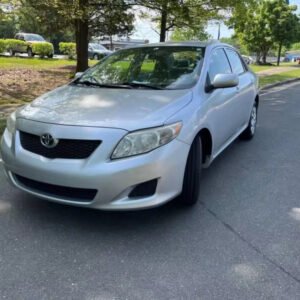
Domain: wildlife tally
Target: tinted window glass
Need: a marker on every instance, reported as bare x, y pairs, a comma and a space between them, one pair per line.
235, 61
218, 64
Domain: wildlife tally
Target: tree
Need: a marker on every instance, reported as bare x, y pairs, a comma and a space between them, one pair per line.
283, 23
189, 34
249, 23
112, 19
233, 41
265, 25
171, 14
86, 17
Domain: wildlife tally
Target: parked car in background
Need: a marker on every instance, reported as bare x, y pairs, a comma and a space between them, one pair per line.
29, 38
248, 60
97, 51
135, 130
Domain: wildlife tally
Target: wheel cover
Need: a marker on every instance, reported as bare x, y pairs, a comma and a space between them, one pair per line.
253, 120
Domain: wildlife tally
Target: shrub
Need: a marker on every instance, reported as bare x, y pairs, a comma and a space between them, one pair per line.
2, 46
42, 49
68, 49
13, 44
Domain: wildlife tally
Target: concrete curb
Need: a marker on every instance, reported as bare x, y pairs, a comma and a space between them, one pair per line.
272, 85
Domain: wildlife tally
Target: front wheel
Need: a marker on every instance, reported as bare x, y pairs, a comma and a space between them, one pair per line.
50, 56
30, 53
249, 132
191, 181
11, 52
96, 57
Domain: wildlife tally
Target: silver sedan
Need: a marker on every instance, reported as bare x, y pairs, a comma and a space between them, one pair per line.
135, 130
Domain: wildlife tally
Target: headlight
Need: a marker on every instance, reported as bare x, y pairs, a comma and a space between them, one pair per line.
11, 123
143, 141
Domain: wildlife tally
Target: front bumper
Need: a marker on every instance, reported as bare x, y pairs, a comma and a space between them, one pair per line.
113, 180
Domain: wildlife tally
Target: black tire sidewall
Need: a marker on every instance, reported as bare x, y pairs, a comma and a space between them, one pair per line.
192, 174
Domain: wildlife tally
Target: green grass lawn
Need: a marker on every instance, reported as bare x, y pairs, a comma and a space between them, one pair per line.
36, 63
256, 68
265, 80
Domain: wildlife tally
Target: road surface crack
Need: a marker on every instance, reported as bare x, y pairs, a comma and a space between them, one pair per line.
236, 233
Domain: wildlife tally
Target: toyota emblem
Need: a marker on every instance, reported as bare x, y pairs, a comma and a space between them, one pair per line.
48, 141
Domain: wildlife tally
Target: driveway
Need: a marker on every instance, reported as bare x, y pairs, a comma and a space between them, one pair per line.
242, 241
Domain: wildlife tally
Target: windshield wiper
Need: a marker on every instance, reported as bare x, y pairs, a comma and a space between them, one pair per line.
142, 85
91, 83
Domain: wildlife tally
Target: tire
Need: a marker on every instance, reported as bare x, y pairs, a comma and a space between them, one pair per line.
95, 57
11, 52
30, 53
191, 181
50, 56
249, 132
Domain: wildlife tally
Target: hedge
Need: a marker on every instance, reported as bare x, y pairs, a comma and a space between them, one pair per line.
68, 49
12, 43
42, 49
2, 46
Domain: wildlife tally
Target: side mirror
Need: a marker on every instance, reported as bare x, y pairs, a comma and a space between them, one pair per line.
225, 81
77, 75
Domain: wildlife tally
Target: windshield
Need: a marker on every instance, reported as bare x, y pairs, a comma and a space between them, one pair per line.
97, 47
167, 67
34, 37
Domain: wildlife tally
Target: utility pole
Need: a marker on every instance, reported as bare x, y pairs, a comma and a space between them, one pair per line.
219, 30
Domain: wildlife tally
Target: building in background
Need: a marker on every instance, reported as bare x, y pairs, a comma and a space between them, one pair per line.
117, 44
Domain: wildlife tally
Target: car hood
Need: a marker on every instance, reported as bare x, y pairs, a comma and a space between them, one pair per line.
128, 109
101, 51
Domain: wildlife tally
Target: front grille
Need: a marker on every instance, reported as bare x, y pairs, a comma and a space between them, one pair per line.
66, 148
73, 194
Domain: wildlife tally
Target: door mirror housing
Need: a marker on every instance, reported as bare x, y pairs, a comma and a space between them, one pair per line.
225, 81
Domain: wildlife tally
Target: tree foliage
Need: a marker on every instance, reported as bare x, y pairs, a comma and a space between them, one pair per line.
264, 25
189, 34
171, 14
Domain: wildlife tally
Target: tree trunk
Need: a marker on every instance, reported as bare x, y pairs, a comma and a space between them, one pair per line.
111, 43
264, 58
279, 53
257, 58
81, 34
163, 23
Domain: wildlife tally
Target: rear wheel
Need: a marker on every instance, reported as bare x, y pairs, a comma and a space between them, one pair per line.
249, 132
191, 181
96, 57
50, 56
11, 52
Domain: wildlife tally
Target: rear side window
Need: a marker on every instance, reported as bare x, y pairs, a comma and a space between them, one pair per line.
235, 61
218, 64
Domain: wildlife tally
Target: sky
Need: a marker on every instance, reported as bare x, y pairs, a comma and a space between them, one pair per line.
144, 28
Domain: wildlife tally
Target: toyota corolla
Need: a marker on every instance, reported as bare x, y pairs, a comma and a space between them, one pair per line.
135, 130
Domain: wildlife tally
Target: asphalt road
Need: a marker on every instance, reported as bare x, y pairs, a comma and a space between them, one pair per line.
242, 241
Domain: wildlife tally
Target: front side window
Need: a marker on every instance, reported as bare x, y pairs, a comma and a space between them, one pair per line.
166, 67
95, 46
235, 61
218, 64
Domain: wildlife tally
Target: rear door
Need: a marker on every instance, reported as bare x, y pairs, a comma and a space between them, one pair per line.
246, 90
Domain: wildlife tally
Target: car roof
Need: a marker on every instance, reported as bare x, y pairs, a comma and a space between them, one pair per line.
202, 44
